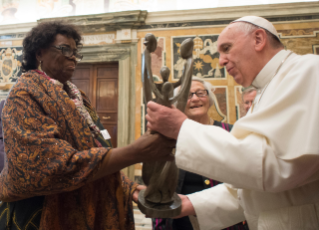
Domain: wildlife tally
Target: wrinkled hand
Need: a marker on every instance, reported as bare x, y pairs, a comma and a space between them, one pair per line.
187, 207
136, 192
164, 120
153, 147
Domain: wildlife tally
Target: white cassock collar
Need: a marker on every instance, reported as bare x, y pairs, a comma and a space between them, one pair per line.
267, 73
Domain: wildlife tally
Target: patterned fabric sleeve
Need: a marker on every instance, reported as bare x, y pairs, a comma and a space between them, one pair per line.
128, 185
128, 189
42, 158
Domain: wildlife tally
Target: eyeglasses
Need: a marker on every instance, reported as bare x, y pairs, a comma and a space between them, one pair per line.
68, 52
199, 93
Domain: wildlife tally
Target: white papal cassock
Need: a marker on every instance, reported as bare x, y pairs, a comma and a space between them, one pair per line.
270, 160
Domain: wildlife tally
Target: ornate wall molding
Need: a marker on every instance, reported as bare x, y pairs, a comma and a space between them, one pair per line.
276, 13
107, 21
138, 19
16, 30
103, 53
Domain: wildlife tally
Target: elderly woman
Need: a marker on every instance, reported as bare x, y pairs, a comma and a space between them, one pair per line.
60, 173
200, 99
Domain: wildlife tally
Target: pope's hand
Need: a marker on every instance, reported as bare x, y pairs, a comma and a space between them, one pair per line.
187, 207
164, 120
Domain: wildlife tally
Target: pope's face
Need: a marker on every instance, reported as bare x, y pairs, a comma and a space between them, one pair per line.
237, 54
197, 107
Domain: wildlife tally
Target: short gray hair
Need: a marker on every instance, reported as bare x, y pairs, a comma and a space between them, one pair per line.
208, 86
249, 28
246, 90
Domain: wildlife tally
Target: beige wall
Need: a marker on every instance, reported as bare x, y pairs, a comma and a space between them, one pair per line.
301, 38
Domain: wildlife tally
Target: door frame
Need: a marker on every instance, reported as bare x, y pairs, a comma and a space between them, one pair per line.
126, 56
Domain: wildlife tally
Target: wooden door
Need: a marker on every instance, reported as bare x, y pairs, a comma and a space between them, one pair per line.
83, 79
100, 83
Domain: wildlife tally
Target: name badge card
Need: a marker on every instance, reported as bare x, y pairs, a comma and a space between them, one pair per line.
105, 134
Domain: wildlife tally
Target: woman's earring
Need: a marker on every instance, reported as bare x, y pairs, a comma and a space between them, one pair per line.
39, 67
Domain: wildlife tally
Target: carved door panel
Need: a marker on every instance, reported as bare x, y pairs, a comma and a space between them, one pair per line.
106, 89
83, 80
100, 83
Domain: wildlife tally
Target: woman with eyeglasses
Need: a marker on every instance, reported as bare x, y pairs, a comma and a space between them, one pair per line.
60, 173
200, 99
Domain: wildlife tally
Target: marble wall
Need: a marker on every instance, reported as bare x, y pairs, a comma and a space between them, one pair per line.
205, 65
302, 38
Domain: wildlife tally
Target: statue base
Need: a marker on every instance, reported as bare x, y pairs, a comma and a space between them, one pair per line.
159, 210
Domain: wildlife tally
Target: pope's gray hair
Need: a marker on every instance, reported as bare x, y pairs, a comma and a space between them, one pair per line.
249, 28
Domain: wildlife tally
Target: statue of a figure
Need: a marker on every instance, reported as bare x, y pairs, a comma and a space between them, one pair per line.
159, 199
163, 87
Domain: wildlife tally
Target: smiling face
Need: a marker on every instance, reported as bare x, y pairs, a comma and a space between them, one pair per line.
237, 54
197, 107
54, 63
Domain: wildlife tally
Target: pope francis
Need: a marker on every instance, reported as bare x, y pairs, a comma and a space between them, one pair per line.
269, 163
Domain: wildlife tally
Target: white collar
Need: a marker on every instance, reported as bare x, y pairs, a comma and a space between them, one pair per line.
266, 74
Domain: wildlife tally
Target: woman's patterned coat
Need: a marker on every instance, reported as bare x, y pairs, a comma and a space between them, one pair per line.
51, 157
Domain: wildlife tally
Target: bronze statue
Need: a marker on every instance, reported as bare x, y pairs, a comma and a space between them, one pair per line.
159, 199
